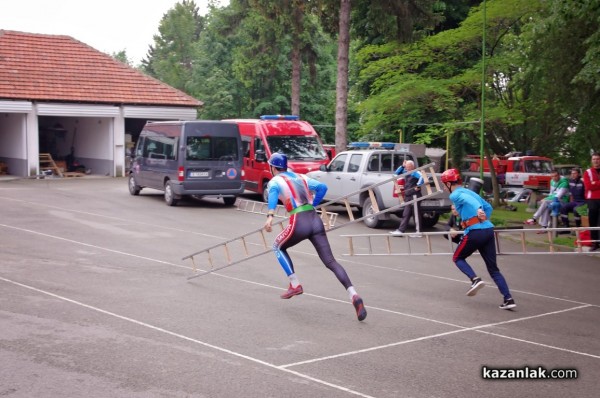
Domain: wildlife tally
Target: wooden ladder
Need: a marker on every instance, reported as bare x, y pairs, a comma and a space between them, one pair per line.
47, 163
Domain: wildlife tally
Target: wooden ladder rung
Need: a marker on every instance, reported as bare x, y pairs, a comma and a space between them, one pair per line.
46, 159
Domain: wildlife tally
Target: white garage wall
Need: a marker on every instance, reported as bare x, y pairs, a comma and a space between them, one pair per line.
94, 144
99, 140
13, 143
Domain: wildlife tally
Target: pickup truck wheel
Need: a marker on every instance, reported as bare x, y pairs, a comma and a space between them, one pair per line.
367, 209
429, 219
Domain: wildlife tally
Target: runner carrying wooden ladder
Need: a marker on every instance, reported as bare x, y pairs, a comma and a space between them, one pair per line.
253, 244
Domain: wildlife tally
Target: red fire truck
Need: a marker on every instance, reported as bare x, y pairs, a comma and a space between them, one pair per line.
516, 170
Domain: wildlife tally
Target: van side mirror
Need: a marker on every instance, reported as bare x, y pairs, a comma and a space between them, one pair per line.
323, 168
260, 155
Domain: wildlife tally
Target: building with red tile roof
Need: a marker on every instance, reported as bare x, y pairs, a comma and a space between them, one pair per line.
51, 83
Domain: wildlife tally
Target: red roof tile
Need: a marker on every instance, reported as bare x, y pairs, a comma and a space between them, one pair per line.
40, 67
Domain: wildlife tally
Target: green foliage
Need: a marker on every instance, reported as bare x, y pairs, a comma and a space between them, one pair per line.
583, 210
562, 73
438, 81
243, 65
172, 55
121, 56
419, 71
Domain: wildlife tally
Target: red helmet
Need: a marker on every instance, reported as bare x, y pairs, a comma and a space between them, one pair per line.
452, 176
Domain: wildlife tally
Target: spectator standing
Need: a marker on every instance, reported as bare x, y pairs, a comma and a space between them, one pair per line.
591, 182
576, 198
412, 190
295, 192
479, 235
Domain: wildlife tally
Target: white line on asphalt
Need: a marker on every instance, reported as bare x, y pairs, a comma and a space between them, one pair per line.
220, 237
93, 246
461, 328
460, 281
540, 344
183, 337
120, 219
469, 329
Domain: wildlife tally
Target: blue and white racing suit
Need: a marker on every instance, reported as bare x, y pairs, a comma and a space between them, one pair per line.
294, 191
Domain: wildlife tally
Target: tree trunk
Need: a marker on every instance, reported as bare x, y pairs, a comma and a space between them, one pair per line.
296, 73
341, 103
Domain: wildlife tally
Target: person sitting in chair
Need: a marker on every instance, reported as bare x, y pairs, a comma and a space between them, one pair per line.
559, 189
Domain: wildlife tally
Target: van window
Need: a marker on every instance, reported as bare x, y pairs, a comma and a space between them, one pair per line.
297, 147
158, 147
246, 146
211, 148
139, 148
259, 146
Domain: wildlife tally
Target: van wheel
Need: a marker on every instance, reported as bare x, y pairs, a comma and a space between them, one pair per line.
367, 209
429, 219
229, 200
134, 188
170, 197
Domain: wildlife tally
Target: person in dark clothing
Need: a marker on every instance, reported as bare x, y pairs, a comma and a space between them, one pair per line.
479, 236
412, 190
453, 226
591, 181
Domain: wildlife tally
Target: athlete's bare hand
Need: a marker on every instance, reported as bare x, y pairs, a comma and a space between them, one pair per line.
267, 226
481, 214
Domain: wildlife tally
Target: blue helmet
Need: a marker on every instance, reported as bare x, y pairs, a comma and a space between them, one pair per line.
278, 160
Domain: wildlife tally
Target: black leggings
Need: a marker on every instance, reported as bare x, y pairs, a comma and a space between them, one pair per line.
302, 226
594, 217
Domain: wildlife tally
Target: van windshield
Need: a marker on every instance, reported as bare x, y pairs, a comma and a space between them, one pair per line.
211, 148
297, 147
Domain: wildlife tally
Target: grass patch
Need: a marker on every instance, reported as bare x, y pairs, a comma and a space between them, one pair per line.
502, 217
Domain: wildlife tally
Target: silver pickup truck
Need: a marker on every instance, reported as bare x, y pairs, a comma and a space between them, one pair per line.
352, 170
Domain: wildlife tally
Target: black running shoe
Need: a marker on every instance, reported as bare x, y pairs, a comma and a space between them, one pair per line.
508, 304
361, 312
475, 286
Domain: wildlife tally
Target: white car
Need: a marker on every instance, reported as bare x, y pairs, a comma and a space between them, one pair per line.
515, 194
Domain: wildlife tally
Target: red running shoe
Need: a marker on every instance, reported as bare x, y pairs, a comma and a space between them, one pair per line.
292, 291
361, 312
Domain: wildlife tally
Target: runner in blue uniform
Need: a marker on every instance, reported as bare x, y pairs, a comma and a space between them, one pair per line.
294, 191
478, 235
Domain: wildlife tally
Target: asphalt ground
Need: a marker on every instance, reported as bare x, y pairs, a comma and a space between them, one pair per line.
95, 301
